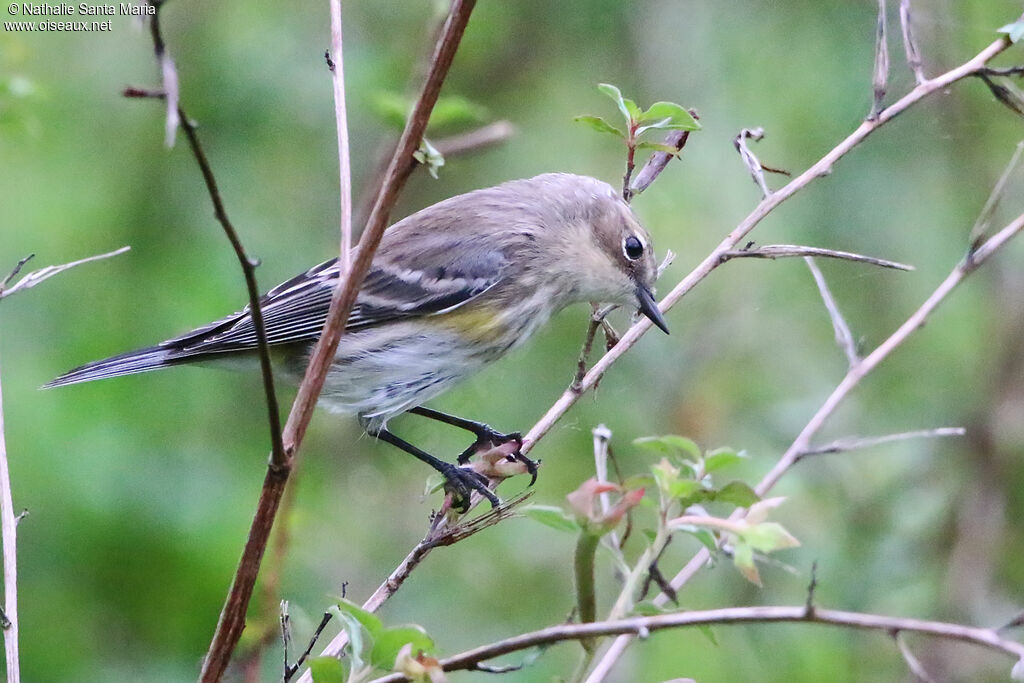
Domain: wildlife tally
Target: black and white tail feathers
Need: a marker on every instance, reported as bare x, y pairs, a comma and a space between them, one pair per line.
141, 360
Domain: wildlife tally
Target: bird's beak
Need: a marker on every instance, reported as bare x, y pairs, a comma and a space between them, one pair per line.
649, 307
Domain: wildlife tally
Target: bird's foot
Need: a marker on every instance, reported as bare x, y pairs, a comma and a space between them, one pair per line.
461, 482
499, 455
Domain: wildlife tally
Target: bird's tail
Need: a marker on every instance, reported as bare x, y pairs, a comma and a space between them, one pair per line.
141, 360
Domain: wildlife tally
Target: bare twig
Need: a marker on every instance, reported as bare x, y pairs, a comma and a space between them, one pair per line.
168, 75
659, 160
913, 663
857, 443
732, 615
844, 337
232, 619
1002, 71
909, 44
750, 160
775, 251
821, 168
36, 276
479, 138
853, 377
439, 534
341, 121
8, 527
980, 228
291, 670
880, 79
14, 273
1007, 93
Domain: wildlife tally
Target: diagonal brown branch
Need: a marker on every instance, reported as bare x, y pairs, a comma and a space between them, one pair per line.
232, 619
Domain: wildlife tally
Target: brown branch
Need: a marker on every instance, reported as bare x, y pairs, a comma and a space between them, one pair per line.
659, 160
170, 94
728, 616
775, 251
232, 620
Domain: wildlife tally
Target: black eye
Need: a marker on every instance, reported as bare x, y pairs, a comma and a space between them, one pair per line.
633, 248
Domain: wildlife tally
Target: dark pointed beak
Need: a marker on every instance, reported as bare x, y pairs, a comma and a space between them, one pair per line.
649, 307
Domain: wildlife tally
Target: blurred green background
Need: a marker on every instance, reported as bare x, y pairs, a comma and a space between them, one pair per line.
141, 489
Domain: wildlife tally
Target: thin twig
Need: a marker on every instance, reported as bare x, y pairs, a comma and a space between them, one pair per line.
232, 620
728, 616
913, 663
853, 377
880, 78
1002, 71
168, 75
844, 337
14, 273
858, 443
750, 160
909, 44
291, 670
474, 140
980, 228
775, 251
9, 533
36, 276
659, 160
439, 534
1007, 93
341, 121
819, 169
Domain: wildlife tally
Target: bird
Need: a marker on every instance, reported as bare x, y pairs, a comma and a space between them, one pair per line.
451, 289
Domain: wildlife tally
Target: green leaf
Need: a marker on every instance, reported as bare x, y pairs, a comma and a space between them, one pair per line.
549, 515
449, 112
658, 147
737, 493
455, 111
768, 537
722, 457
357, 637
327, 670
684, 488
1015, 31
600, 125
368, 620
428, 155
708, 633
668, 115
706, 538
389, 641
671, 444
648, 609
628, 107
743, 560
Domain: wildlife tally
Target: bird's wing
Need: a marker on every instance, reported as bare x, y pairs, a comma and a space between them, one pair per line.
427, 282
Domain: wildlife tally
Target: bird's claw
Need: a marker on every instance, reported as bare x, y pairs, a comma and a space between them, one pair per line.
461, 482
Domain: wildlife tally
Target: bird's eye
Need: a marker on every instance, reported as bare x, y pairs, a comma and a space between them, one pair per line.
633, 248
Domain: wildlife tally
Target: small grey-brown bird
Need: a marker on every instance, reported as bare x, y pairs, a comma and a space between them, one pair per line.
452, 288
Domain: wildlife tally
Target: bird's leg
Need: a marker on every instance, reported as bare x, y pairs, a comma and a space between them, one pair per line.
486, 437
461, 480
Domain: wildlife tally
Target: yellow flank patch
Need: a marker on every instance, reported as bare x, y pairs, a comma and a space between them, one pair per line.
480, 323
